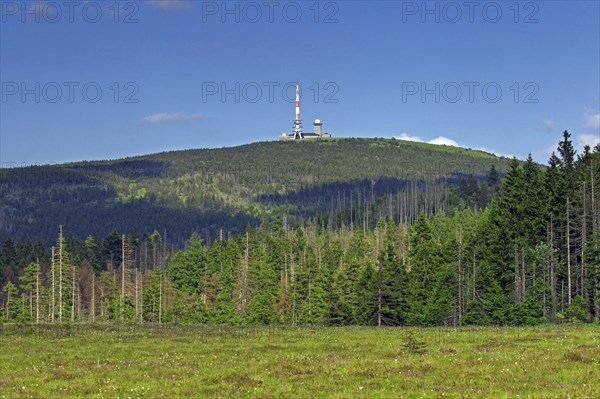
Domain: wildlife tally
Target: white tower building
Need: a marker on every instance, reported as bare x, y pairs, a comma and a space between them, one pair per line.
318, 127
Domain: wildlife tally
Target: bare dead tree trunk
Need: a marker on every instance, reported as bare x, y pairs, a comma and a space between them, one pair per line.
474, 275
8, 295
583, 240
53, 289
379, 307
37, 293
545, 280
60, 277
102, 310
93, 297
569, 291
122, 310
523, 283
136, 295
31, 303
242, 287
79, 302
552, 276
562, 296
73, 297
460, 278
141, 297
351, 211
517, 285
160, 299
595, 216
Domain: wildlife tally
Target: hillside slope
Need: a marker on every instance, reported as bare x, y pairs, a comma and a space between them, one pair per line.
209, 189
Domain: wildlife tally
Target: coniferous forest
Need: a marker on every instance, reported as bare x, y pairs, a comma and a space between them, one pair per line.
517, 248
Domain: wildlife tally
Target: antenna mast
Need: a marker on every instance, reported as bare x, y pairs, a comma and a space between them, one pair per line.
297, 122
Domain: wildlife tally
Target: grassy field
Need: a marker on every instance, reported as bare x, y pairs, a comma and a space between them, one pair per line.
218, 362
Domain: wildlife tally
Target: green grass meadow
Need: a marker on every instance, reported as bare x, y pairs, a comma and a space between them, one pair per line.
83, 361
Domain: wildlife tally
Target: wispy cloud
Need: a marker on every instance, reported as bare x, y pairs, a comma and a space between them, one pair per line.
170, 5
174, 117
549, 125
498, 154
442, 140
592, 120
542, 155
408, 137
579, 141
582, 140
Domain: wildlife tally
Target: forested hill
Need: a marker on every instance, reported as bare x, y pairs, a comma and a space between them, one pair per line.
531, 256
206, 190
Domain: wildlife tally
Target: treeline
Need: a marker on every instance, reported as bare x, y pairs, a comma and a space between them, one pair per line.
364, 202
531, 256
212, 189
33, 211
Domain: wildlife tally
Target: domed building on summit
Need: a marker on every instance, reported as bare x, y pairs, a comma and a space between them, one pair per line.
317, 134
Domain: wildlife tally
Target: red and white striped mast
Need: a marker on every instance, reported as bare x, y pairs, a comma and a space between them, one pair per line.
297, 122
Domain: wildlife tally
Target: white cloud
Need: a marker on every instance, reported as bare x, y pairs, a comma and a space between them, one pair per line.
169, 5
442, 140
549, 125
592, 120
407, 137
173, 117
582, 140
496, 153
545, 153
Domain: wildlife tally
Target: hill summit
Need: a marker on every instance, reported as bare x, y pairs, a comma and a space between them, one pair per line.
207, 190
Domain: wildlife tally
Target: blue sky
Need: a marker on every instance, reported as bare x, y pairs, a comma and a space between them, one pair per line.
169, 72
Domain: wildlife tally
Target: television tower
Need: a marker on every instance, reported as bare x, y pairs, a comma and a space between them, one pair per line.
297, 128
